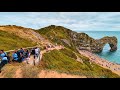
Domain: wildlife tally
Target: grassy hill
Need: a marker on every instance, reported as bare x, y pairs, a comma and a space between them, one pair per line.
10, 41
62, 61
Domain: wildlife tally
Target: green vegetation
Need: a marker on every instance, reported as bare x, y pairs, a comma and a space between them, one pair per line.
10, 41
69, 53
56, 34
61, 62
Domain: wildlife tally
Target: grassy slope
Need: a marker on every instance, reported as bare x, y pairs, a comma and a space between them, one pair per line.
62, 62
56, 34
9, 41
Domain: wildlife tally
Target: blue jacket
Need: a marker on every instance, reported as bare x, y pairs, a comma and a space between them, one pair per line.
15, 56
3, 56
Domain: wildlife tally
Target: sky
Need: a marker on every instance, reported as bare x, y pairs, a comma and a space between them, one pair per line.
76, 21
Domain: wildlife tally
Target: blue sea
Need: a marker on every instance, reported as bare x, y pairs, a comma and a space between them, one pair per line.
106, 54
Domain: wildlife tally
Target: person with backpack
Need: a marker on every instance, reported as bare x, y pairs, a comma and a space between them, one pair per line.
14, 57
26, 55
37, 51
21, 50
7, 55
33, 52
3, 58
18, 52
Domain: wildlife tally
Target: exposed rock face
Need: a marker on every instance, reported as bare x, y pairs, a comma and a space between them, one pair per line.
112, 41
83, 41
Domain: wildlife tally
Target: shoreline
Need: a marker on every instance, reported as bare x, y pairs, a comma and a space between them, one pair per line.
114, 67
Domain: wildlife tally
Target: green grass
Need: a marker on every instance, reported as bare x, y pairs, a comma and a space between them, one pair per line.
10, 41
56, 34
69, 53
61, 62
51, 31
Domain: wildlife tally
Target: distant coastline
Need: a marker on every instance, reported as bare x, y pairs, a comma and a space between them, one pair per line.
114, 67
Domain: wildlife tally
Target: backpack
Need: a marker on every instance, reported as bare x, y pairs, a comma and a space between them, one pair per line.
26, 54
5, 54
18, 53
33, 51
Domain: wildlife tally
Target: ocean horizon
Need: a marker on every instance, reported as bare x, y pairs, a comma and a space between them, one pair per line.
106, 54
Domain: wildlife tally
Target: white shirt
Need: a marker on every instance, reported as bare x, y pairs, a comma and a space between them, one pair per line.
37, 50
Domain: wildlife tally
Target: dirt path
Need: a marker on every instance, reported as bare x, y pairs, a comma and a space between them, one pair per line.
31, 60
18, 73
50, 49
54, 74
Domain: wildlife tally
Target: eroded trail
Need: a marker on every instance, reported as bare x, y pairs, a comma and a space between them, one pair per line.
50, 49
46, 73
36, 61
54, 74
18, 73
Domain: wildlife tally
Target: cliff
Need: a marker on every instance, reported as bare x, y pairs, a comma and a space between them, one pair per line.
74, 40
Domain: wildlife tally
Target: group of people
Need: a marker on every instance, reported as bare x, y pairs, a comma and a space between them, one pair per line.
18, 56
102, 62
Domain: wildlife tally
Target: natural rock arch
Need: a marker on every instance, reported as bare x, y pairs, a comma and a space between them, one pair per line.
84, 42
112, 41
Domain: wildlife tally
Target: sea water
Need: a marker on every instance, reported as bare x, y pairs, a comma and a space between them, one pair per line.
106, 54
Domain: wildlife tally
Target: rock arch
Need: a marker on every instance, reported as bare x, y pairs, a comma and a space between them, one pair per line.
99, 45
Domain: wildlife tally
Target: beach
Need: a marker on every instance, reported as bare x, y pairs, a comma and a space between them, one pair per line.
114, 67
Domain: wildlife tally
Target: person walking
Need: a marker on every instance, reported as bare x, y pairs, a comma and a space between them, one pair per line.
3, 58
26, 55
37, 51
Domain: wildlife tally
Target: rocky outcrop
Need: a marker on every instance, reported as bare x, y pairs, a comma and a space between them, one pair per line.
112, 41
83, 41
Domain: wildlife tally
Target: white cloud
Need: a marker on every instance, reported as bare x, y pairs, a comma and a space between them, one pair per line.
73, 20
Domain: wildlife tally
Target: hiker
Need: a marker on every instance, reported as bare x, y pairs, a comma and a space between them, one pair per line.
21, 50
18, 52
26, 55
37, 51
7, 55
3, 58
33, 52
14, 56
